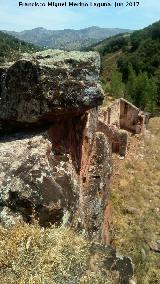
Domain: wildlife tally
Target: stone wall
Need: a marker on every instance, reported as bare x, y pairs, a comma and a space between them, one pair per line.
124, 115
130, 117
111, 115
117, 120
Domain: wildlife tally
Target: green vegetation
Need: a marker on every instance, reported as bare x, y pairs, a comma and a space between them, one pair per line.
136, 57
10, 48
117, 87
141, 90
112, 44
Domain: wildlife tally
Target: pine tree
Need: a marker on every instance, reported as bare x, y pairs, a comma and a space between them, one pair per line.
157, 82
141, 93
141, 90
131, 84
150, 104
117, 86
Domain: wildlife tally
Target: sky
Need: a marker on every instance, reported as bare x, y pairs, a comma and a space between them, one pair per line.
15, 18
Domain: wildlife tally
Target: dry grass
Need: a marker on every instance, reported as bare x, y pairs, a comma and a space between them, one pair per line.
32, 255
136, 204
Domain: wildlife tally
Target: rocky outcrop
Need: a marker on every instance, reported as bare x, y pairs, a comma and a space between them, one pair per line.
27, 179
59, 175
48, 85
56, 146
96, 168
106, 259
56, 149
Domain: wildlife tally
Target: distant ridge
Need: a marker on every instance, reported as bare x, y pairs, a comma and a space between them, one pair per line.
67, 39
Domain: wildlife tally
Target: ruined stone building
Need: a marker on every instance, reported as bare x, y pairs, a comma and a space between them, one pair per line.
119, 119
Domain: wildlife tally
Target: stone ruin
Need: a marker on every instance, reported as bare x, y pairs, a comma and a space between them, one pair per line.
125, 115
119, 120
56, 145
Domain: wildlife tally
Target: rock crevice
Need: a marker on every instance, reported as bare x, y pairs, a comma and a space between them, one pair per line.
60, 175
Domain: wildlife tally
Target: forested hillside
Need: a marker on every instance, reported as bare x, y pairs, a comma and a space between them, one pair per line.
131, 66
10, 47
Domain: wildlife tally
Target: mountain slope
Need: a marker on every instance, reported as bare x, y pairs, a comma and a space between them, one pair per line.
67, 39
132, 64
11, 47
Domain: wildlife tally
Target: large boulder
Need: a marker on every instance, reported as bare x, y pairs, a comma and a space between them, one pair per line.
107, 260
59, 174
33, 180
48, 85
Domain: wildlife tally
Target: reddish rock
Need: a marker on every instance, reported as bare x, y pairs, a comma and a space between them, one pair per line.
60, 175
